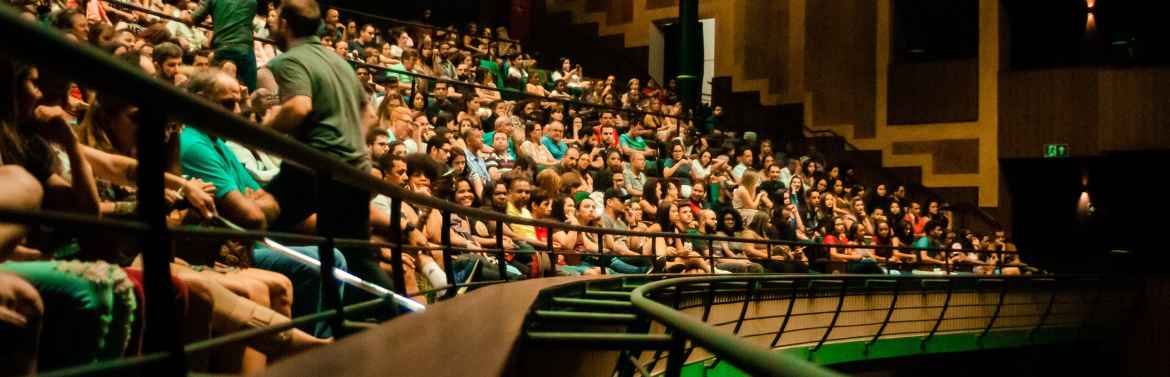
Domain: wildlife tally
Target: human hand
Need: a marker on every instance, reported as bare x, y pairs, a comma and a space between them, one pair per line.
55, 127
198, 195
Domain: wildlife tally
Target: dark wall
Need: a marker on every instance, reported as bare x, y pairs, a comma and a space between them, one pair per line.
1093, 110
933, 92
839, 63
1048, 228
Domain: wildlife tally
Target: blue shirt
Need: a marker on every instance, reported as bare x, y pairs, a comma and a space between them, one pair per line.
555, 148
477, 166
210, 160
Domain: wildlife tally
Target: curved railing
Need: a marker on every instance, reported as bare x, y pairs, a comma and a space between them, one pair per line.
160, 102
772, 324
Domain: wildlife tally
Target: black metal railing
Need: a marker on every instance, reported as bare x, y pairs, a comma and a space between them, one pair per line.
971, 305
161, 102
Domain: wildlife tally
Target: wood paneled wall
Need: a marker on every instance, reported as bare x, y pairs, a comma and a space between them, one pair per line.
1093, 110
839, 63
934, 92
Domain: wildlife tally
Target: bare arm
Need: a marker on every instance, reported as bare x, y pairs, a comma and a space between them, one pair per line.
292, 115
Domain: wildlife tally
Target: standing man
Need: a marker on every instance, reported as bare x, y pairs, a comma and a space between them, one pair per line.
321, 106
233, 34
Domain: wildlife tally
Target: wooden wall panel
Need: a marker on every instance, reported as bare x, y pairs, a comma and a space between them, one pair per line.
619, 12
934, 92
1093, 110
950, 156
1134, 109
839, 63
1047, 106
655, 4
765, 30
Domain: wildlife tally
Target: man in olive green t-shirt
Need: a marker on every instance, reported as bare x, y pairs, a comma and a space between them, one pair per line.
232, 31
321, 105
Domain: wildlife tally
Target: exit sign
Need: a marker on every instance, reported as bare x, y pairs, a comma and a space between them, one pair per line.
1055, 150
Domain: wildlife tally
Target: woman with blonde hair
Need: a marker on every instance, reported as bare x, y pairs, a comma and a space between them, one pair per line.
747, 198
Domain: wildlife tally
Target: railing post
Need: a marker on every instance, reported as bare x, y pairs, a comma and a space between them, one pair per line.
448, 262
836, 314
327, 215
601, 258
889, 314
161, 323
1047, 309
399, 275
995, 314
675, 359
552, 256
941, 314
787, 315
501, 260
711, 252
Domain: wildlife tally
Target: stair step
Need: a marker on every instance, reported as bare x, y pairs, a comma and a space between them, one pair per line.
600, 340
572, 301
616, 295
593, 317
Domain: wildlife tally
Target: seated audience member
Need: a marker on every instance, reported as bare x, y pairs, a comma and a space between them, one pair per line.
930, 248
613, 217
239, 197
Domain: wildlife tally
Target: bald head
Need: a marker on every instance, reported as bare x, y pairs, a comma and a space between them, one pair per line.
216, 86
301, 18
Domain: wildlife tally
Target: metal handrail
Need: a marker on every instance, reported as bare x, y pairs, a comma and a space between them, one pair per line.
744, 355
756, 360
417, 24
94, 68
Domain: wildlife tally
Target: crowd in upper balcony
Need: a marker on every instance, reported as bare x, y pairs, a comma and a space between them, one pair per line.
395, 100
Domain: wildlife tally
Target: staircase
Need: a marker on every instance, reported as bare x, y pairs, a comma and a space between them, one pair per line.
593, 326
600, 54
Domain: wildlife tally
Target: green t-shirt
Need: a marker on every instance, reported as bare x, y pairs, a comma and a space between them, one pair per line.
402, 77
309, 69
211, 160
233, 23
926, 243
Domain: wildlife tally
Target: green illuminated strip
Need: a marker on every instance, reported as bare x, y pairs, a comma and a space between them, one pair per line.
839, 353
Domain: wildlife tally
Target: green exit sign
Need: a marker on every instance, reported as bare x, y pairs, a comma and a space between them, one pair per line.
1055, 150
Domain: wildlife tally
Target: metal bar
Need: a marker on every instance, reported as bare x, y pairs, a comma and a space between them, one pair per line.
602, 260
241, 336
995, 314
743, 310
1047, 309
637, 368
744, 355
599, 340
448, 261
787, 315
676, 357
501, 261
886, 321
711, 252
161, 316
836, 314
326, 216
941, 313
398, 274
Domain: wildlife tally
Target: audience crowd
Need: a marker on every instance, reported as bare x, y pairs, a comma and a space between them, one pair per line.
635, 162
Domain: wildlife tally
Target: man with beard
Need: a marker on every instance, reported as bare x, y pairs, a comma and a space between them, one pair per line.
322, 104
